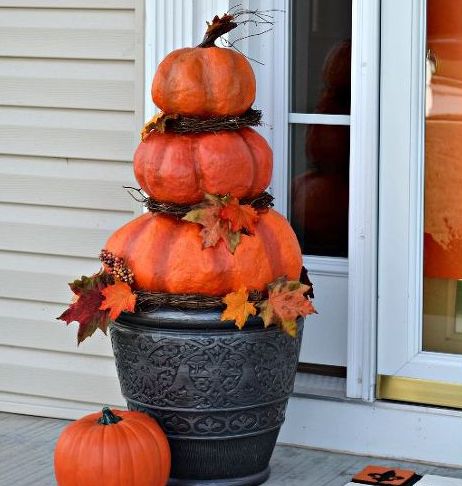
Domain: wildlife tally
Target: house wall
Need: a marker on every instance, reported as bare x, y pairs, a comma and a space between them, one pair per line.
71, 96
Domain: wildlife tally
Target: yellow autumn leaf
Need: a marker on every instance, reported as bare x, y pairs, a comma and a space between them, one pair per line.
238, 308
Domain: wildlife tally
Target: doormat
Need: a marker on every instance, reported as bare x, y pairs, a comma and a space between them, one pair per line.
380, 475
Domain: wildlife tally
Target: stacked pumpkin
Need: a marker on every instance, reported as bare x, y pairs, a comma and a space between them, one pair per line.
209, 235
211, 171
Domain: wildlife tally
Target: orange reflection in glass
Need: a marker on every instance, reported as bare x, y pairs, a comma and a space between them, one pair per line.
443, 146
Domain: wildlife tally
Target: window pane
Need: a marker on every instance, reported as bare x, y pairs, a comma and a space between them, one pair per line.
319, 189
321, 56
443, 179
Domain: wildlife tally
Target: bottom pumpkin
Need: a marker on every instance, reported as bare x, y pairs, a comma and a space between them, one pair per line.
112, 448
167, 255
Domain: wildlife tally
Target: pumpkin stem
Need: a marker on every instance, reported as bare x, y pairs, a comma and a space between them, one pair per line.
108, 417
218, 27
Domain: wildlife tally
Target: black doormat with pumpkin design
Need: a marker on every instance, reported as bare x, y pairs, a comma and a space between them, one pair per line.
381, 476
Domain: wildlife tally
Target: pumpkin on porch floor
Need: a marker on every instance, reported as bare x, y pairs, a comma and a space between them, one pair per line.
112, 448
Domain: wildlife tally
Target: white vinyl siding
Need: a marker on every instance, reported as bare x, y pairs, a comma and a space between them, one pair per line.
71, 107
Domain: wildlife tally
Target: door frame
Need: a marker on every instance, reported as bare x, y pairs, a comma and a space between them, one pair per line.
333, 424
401, 219
361, 266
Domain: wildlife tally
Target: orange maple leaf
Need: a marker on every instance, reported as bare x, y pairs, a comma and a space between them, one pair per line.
286, 301
118, 297
239, 216
238, 308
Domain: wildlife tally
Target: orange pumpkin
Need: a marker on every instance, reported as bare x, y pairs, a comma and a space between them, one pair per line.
113, 449
181, 168
167, 255
204, 81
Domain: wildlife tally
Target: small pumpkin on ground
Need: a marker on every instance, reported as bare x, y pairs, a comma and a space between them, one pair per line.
112, 448
205, 80
182, 168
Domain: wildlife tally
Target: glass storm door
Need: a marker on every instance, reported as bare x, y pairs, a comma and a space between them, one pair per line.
420, 207
317, 193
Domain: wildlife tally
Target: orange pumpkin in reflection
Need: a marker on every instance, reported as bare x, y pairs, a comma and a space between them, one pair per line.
166, 255
443, 144
182, 168
328, 146
320, 212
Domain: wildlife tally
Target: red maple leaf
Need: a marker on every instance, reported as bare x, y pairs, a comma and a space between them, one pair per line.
86, 308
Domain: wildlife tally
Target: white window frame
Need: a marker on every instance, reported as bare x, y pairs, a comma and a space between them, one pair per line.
178, 23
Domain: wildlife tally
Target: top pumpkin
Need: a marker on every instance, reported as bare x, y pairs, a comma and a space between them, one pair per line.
206, 80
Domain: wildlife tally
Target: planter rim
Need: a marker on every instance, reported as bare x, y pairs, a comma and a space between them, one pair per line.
191, 320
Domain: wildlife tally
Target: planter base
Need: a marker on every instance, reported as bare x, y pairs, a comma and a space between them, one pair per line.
219, 393
252, 480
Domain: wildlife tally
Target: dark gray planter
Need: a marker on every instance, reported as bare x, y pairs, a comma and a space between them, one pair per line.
219, 393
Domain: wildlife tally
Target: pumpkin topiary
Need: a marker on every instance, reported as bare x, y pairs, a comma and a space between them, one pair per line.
166, 255
182, 168
205, 80
111, 449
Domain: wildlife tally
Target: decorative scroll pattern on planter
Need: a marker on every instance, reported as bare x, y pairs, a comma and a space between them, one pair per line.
212, 370
217, 424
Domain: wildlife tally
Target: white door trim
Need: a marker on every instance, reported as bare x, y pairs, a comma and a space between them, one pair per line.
173, 31
363, 212
381, 429
171, 24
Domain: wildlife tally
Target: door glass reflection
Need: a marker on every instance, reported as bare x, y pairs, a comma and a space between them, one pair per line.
321, 56
319, 190
443, 179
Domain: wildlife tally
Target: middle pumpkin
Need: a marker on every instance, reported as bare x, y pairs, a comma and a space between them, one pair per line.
182, 168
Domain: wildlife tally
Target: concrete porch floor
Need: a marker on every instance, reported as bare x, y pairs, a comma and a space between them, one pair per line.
27, 443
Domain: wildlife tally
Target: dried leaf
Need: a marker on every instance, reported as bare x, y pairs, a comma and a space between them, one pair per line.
240, 217
218, 27
238, 308
290, 327
286, 301
118, 297
215, 228
86, 307
158, 122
